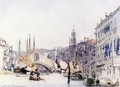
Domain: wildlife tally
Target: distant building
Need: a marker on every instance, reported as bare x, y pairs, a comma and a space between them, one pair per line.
63, 54
80, 51
10, 58
3, 47
91, 55
108, 45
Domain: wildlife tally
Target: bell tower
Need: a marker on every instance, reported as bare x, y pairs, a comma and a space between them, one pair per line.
72, 44
73, 37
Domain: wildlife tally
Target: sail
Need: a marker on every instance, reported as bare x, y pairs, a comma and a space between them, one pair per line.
63, 64
26, 62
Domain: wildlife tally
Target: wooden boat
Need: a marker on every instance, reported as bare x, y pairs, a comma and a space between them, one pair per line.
76, 79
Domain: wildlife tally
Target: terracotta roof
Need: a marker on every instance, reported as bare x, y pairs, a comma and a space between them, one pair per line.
91, 42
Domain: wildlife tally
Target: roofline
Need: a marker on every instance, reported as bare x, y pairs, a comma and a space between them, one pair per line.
108, 17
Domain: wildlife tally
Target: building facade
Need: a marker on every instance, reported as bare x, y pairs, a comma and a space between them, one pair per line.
108, 45
86, 56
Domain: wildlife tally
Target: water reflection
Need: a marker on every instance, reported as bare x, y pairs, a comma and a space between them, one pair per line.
68, 84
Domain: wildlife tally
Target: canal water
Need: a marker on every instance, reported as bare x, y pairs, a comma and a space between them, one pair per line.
51, 80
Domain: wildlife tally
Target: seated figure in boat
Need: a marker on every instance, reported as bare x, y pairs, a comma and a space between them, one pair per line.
35, 75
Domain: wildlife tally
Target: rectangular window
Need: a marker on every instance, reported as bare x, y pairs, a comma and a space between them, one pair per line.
118, 46
114, 44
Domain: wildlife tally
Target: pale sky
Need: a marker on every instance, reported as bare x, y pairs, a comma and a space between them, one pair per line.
51, 21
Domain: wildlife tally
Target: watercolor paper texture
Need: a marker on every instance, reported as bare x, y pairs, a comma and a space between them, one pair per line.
56, 41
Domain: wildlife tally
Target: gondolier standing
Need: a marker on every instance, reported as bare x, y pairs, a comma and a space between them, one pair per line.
68, 74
